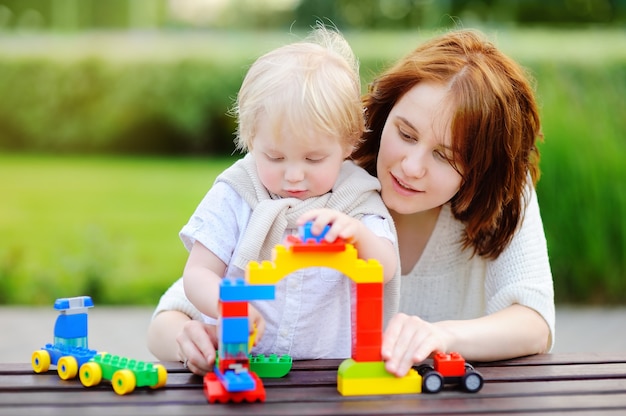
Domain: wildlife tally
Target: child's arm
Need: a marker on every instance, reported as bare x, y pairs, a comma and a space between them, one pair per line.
201, 280
368, 244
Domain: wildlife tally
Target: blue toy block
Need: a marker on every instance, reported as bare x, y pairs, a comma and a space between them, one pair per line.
234, 330
235, 290
81, 354
233, 381
75, 303
70, 326
305, 232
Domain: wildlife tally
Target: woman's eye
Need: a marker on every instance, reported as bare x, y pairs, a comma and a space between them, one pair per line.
405, 135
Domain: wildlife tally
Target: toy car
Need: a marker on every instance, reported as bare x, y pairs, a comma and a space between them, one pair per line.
449, 369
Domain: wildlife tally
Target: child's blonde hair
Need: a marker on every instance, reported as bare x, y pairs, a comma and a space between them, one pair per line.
308, 86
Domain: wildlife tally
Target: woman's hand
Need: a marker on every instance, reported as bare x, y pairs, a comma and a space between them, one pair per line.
197, 346
409, 340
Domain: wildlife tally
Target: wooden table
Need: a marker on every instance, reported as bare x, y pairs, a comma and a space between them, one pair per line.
580, 384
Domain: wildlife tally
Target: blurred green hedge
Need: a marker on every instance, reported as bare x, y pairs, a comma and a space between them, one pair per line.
171, 96
93, 106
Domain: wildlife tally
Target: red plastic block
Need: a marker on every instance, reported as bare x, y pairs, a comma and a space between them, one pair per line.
215, 391
233, 309
366, 353
449, 365
369, 291
311, 246
369, 315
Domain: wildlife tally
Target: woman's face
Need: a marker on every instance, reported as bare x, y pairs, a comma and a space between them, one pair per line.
415, 152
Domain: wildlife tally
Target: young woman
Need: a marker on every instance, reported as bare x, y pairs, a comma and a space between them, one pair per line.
452, 139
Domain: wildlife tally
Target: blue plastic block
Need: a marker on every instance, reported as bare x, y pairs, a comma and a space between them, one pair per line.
233, 381
305, 232
81, 354
238, 290
78, 302
70, 326
234, 330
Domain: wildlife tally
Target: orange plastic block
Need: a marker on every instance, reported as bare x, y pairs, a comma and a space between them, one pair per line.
215, 391
449, 365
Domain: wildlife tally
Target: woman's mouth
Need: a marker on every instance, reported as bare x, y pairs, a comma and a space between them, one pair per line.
402, 187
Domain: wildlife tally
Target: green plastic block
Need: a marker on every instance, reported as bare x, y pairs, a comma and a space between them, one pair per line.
357, 369
271, 366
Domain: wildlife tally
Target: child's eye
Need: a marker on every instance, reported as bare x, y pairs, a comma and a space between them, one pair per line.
314, 159
274, 158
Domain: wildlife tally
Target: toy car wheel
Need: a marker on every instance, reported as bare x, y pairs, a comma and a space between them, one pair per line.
432, 382
40, 361
90, 374
162, 376
472, 381
67, 367
124, 382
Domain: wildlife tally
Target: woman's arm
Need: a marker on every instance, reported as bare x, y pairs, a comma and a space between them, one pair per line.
512, 332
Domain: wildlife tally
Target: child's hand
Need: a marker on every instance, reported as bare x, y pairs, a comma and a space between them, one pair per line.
341, 225
257, 323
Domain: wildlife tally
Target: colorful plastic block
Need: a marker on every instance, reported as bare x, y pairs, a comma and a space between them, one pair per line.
240, 290
286, 262
124, 373
234, 330
214, 391
449, 365
271, 366
306, 234
234, 381
365, 378
296, 245
234, 308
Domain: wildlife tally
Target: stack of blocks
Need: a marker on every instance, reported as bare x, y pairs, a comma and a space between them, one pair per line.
362, 374
232, 379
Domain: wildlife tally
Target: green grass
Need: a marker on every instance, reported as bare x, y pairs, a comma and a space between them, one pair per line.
107, 227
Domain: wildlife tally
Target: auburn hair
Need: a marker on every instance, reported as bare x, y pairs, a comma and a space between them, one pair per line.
495, 126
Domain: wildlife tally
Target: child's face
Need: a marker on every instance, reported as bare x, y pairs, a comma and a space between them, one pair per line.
295, 166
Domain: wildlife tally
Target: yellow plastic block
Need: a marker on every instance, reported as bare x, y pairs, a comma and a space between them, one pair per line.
409, 384
286, 262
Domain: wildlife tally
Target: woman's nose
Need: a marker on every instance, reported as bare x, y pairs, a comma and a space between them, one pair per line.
414, 165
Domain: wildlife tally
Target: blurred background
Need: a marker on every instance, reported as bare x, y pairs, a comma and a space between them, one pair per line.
113, 125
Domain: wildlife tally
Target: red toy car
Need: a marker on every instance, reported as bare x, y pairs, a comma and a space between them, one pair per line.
449, 369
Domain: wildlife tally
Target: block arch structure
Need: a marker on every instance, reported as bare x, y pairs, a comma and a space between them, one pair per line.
367, 318
365, 372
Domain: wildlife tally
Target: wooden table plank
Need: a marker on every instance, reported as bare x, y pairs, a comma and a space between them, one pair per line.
585, 384
71, 403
